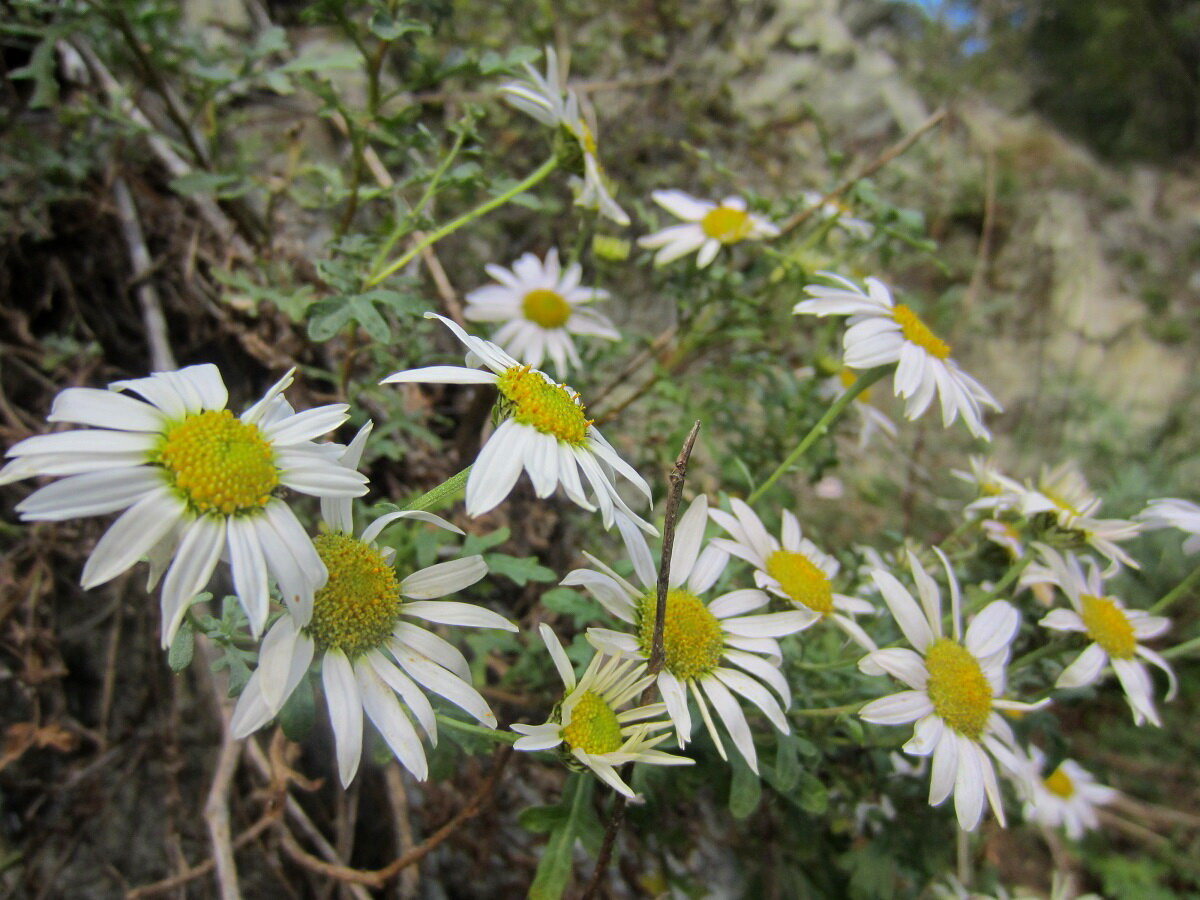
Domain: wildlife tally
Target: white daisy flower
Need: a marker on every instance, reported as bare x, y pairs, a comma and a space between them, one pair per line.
1116, 632
840, 213
1066, 798
548, 100
544, 432
883, 332
703, 642
795, 569
998, 493
710, 226
196, 484
1063, 492
587, 725
371, 655
541, 306
955, 685
1169, 512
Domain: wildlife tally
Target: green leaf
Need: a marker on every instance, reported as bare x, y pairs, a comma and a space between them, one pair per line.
522, 570
541, 819
321, 60
478, 543
40, 69
328, 317
299, 713
179, 657
814, 798
555, 867
369, 318
745, 790
787, 764
219, 184
387, 27
578, 607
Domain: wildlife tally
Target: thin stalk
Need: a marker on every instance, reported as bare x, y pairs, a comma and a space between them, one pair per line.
502, 737
839, 406
828, 711
465, 219
1182, 649
447, 488
1180, 590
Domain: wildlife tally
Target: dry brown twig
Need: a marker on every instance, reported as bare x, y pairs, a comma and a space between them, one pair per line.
674, 498
376, 878
161, 357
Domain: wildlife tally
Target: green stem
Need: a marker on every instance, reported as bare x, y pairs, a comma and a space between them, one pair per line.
1178, 591
501, 737
839, 405
1009, 577
466, 218
1182, 649
447, 488
824, 711
401, 228
1034, 655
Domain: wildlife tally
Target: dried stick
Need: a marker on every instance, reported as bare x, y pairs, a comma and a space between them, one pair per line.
398, 800
216, 807
874, 166
376, 878
677, 477
296, 812
201, 869
635, 362
161, 357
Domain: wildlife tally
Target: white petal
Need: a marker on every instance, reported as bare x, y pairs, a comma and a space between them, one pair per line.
163, 393
605, 590
385, 711
449, 612
639, 552
91, 494
497, 468
945, 768
132, 536
442, 375
196, 557
755, 693
927, 735
770, 625
1085, 669
897, 709
763, 670
968, 785
708, 568
904, 608
1156, 659
1139, 690
993, 629
904, 664
279, 649
1063, 620
735, 603
436, 648
249, 568
345, 712
733, 717
444, 578
675, 696
306, 426
565, 670
373, 530
86, 441
446, 684
105, 409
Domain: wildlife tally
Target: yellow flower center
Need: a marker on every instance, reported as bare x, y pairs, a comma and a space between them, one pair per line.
550, 408
546, 308
220, 464
917, 332
1060, 501
594, 727
1060, 783
727, 225
360, 604
1108, 626
960, 693
849, 379
692, 637
801, 580
588, 140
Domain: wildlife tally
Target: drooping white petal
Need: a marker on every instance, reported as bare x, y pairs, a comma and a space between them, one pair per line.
197, 555
132, 536
968, 784
1085, 669
385, 711
345, 712
944, 769
249, 567
734, 719
446, 684
432, 646
565, 670
755, 693
497, 467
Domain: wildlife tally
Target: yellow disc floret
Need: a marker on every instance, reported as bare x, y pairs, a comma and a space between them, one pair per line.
960, 693
360, 604
545, 307
1059, 782
801, 580
219, 464
1108, 626
727, 224
531, 399
692, 637
594, 727
917, 332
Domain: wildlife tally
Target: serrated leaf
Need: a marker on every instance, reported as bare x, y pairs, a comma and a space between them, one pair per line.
179, 657
327, 317
299, 713
478, 543
555, 867
374, 324
522, 570
745, 790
